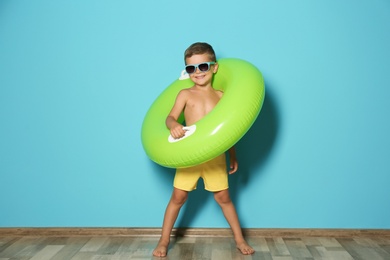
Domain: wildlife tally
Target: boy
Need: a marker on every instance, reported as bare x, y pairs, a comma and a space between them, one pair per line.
196, 102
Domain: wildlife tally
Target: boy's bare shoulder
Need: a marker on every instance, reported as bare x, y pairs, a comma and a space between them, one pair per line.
219, 93
186, 90
183, 94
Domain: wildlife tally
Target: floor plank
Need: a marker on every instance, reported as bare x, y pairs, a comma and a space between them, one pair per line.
47, 252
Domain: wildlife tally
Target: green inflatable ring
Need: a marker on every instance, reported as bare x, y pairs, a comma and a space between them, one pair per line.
243, 87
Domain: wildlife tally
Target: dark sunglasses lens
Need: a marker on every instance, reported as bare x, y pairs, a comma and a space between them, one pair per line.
203, 67
190, 69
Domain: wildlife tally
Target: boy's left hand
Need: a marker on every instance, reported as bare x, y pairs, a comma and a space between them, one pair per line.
233, 160
233, 166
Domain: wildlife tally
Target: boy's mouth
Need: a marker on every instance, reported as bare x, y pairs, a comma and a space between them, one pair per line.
200, 76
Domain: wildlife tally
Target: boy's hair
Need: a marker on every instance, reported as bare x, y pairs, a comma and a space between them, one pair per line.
200, 48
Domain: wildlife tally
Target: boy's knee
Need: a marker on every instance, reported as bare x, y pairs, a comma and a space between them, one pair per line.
179, 198
222, 197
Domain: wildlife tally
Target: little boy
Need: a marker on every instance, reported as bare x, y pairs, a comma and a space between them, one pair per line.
196, 102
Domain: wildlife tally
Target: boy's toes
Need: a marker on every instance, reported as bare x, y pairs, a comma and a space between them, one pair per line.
160, 251
245, 249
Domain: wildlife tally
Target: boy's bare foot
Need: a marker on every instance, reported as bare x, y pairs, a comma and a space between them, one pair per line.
161, 249
245, 249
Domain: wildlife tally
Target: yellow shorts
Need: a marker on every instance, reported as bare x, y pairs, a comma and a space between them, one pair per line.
213, 173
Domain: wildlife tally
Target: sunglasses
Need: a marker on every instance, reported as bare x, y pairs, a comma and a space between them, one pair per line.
203, 67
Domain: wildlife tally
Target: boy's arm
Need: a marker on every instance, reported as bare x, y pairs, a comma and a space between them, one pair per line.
176, 128
233, 160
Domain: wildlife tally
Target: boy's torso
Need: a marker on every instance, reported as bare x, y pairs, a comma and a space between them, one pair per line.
199, 103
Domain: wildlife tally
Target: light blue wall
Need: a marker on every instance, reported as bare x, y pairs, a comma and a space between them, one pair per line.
77, 77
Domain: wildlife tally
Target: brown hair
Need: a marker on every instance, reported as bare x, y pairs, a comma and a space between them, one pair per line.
200, 48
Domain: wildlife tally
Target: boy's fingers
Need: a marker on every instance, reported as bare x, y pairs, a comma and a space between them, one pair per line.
178, 133
233, 168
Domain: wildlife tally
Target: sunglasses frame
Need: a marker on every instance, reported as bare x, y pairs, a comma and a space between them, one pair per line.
196, 66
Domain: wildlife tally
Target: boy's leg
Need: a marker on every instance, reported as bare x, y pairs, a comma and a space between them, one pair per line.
177, 200
229, 211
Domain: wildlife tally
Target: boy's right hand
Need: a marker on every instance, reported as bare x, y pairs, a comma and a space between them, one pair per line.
177, 131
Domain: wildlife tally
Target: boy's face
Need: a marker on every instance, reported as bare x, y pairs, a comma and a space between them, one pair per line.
201, 78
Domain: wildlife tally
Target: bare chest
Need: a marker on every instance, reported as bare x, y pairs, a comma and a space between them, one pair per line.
198, 106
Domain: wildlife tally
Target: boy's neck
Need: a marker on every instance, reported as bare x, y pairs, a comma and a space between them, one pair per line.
201, 87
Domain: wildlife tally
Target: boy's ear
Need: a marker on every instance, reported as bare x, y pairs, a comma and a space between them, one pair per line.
215, 68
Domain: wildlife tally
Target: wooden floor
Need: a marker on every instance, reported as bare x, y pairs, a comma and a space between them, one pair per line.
217, 248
